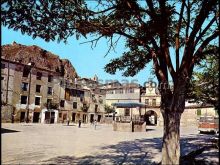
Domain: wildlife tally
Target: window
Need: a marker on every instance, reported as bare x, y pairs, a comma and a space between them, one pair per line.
127, 112
82, 98
24, 86
78, 93
60, 115
37, 100
2, 78
38, 88
49, 102
74, 105
62, 102
67, 94
130, 90
26, 71
154, 102
2, 66
39, 75
23, 99
73, 92
49, 91
50, 78
119, 91
96, 108
199, 112
147, 101
110, 92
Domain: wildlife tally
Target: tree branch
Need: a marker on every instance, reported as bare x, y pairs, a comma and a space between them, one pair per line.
159, 73
151, 7
177, 36
188, 19
205, 30
199, 51
92, 41
164, 48
103, 11
190, 45
204, 12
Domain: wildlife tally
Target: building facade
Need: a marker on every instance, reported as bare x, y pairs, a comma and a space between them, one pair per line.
27, 92
122, 93
30, 93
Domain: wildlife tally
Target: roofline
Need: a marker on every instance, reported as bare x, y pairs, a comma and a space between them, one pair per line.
17, 63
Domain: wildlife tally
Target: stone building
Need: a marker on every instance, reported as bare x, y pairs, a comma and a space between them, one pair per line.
39, 87
152, 99
26, 92
122, 93
94, 99
148, 104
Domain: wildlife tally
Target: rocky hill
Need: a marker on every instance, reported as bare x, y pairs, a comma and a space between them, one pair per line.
41, 58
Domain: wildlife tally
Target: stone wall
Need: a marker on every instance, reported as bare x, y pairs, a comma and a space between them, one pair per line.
129, 127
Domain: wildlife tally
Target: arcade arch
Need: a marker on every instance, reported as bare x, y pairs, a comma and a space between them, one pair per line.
151, 117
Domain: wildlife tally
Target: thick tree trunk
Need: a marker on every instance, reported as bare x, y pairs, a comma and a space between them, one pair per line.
172, 107
171, 138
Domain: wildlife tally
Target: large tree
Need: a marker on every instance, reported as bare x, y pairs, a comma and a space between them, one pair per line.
154, 30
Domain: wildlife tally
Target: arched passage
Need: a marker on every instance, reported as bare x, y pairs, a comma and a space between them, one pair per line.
151, 117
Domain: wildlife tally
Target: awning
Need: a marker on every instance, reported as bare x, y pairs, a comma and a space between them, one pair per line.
128, 105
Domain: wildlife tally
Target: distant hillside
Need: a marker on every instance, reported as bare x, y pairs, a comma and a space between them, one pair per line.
41, 58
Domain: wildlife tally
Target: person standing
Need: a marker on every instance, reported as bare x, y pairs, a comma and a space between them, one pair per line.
95, 124
80, 123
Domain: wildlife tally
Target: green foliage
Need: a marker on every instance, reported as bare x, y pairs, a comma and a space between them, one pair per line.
205, 83
151, 26
151, 29
109, 109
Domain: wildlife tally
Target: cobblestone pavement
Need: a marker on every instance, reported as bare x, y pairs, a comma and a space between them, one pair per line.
62, 144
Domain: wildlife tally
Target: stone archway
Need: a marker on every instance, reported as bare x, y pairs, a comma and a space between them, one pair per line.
151, 117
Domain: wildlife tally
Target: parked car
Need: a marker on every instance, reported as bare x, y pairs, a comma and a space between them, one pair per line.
209, 124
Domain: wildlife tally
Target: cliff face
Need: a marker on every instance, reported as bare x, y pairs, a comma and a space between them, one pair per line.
41, 58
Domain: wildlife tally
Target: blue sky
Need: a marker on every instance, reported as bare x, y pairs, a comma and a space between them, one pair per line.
86, 61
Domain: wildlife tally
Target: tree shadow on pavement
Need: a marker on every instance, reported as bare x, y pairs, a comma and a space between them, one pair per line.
128, 152
4, 130
193, 142
139, 151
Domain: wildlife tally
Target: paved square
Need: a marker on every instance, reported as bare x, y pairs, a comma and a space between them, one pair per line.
59, 143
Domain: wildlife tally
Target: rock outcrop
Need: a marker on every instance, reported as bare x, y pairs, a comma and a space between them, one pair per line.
41, 58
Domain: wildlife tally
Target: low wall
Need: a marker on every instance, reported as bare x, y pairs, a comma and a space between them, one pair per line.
129, 127
141, 127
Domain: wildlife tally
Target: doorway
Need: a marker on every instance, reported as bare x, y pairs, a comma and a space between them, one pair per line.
49, 117
151, 117
99, 118
64, 117
73, 117
91, 118
22, 116
84, 118
52, 119
36, 117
